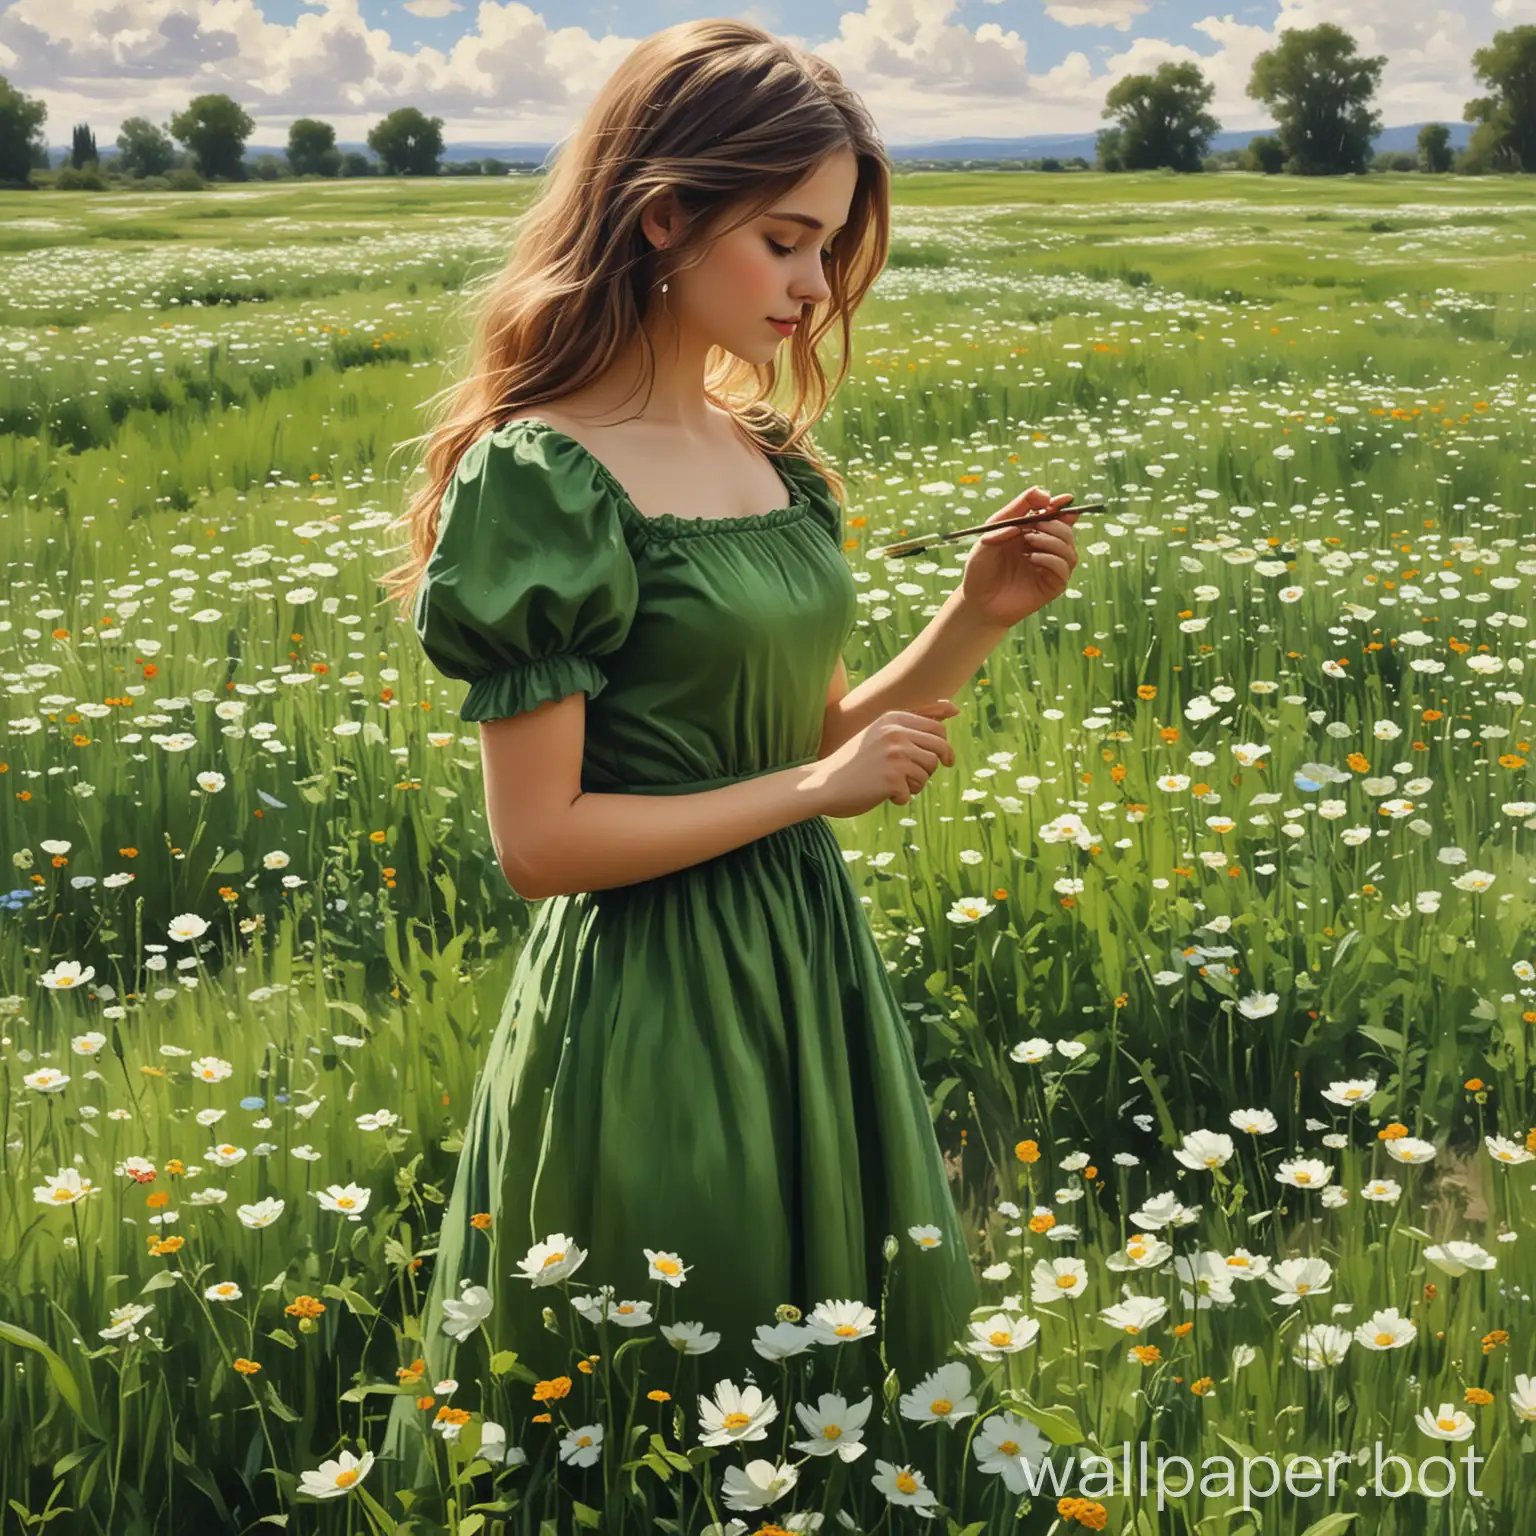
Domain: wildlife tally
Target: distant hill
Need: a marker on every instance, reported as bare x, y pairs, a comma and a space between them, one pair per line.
1033, 147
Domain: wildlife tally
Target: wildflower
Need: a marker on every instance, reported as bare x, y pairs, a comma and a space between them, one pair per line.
1256, 1122
349, 1200
1504, 1151
1409, 1149
1386, 1329
305, 1307
1027, 1152
582, 1445
463, 1316
1492, 1341
1295, 1278
943, 1394
125, 1320
834, 1428
758, 1484
1456, 1258
246, 1367
1350, 1093
1321, 1346
1054, 1279
735, 1414
1384, 1190
840, 1322
1303, 1173
65, 1187
1205, 1149
1392, 1132
1523, 1398
1203, 1388
905, 1487
1448, 1424
999, 1335
1479, 1397
550, 1262
223, 1290
1091, 1516
1135, 1313
1144, 1354
336, 1477
66, 975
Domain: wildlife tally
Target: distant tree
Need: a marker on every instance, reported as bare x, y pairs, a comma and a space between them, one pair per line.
1395, 160
21, 139
1162, 118
312, 148
215, 127
355, 163
408, 143
491, 166
83, 147
143, 149
1109, 149
1505, 136
268, 168
1264, 153
1435, 149
1319, 91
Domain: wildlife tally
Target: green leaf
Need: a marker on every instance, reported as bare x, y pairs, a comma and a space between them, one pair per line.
1171, 1136
380, 1388
358, 1305
160, 1280
283, 1337
279, 1407
590, 1518
470, 1524
63, 1378
1057, 1423
1387, 1039
1246, 1452
1328, 1525
69, 1463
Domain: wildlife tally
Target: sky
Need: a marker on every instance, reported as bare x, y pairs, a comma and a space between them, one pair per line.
512, 73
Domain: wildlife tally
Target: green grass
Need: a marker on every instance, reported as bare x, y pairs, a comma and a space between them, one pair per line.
1219, 928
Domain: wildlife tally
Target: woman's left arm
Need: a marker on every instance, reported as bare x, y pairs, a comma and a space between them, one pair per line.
1008, 576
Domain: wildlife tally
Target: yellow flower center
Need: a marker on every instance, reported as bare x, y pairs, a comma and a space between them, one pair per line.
906, 1482
940, 1405
737, 1420
347, 1478
1066, 1282
1383, 1339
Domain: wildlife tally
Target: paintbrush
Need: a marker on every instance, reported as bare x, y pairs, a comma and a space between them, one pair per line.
928, 540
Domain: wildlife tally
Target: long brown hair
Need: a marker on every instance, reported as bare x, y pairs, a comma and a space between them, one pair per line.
728, 117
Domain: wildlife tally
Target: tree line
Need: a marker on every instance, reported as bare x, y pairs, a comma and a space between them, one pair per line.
1315, 84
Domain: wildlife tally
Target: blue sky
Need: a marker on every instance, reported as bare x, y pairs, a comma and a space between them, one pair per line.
500, 70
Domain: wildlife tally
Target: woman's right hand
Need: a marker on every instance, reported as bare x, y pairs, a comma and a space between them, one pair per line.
891, 759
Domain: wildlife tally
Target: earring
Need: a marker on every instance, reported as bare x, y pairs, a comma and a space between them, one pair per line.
663, 290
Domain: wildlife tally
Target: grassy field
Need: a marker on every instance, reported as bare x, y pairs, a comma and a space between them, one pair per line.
1217, 944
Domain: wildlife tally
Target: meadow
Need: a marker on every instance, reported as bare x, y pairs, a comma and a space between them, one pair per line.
1217, 943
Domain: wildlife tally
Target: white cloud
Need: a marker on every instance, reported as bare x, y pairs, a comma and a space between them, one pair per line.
1098, 13
512, 74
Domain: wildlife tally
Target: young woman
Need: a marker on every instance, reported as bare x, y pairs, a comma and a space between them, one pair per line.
701, 1078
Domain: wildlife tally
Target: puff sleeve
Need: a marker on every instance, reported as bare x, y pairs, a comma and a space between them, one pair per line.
531, 579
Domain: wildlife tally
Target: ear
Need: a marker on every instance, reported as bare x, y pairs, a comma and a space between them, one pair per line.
661, 219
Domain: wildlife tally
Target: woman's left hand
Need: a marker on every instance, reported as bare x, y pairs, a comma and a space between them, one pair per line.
1013, 573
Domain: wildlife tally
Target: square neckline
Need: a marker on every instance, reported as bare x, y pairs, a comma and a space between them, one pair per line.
799, 502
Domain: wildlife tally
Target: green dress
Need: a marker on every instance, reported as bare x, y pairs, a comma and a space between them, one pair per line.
710, 1063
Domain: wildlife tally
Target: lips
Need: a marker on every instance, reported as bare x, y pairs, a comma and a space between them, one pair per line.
783, 327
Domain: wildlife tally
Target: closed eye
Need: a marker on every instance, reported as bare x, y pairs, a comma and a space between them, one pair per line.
789, 250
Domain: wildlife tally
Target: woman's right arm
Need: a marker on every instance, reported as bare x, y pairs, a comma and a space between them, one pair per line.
551, 839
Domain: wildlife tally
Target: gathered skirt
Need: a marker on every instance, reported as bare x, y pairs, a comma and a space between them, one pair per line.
711, 1065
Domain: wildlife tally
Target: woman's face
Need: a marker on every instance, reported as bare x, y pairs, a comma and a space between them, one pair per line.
772, 267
